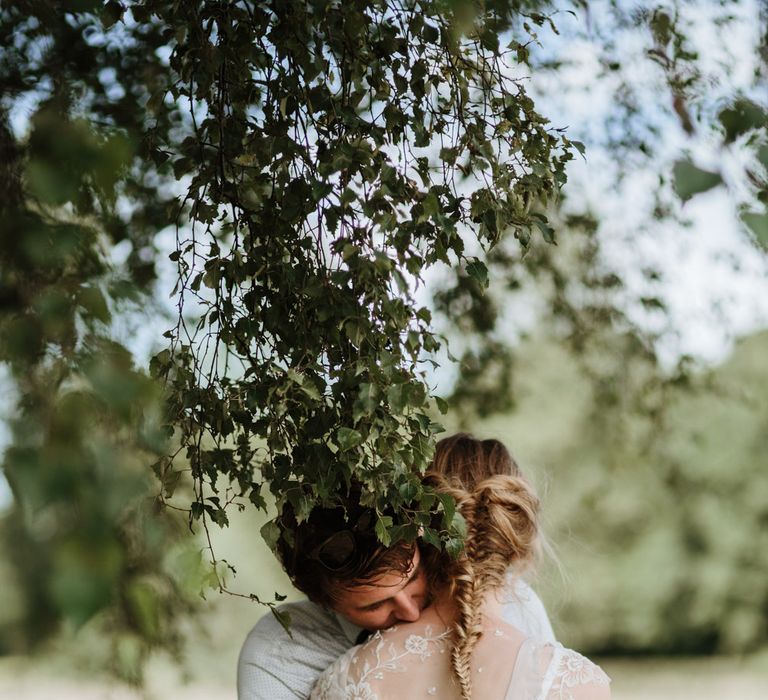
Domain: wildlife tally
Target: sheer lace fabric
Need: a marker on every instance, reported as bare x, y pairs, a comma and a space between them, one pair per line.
545, 671
413, 661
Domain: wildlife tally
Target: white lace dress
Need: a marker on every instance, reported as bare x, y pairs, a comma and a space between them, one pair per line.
413, 661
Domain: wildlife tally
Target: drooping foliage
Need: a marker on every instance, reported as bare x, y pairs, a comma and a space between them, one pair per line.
335, 152
314, 160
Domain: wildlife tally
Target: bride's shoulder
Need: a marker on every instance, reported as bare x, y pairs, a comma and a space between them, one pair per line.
569, 675
401, 641
360, 672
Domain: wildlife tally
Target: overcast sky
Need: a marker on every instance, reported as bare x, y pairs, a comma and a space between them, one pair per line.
714, 277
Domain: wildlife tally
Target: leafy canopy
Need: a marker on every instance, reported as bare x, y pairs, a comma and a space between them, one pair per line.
333, 153
315, 159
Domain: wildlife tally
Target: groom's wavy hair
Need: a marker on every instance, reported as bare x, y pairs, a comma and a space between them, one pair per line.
501, 511
299, 542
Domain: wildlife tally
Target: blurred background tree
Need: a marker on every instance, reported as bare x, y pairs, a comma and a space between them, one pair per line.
130, 132
654, 460
657, 518
82, 534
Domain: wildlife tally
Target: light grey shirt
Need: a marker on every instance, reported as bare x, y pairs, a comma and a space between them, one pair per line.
276, 666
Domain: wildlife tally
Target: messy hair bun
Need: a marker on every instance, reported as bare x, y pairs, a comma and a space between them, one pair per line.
504, 524
469, 461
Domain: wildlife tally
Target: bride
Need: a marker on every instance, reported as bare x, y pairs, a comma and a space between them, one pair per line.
460, 647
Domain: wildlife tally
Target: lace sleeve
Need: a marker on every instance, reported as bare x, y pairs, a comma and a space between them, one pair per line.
571, 676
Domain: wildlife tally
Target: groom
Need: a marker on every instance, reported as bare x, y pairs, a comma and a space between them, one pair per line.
355, 586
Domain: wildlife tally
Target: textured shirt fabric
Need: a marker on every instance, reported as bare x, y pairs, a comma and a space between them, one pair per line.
276, 666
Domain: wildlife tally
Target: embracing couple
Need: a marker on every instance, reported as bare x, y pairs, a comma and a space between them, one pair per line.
409, 621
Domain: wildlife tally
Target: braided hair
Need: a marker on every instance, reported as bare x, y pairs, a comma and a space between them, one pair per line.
501, 513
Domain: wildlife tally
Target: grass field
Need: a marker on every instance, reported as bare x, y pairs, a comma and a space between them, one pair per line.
717, 678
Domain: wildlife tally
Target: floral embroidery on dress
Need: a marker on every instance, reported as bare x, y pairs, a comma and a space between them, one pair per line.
359, 691
350, 677
326, 684
574, 670
418, 645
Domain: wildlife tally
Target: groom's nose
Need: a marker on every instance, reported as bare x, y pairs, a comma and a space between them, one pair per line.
406, 608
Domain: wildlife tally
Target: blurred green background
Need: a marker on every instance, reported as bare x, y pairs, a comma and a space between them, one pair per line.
658, 523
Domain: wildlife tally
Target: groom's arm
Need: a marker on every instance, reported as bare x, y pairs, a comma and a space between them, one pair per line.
276, 666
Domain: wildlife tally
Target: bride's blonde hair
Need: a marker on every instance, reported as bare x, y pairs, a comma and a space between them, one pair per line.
501, 513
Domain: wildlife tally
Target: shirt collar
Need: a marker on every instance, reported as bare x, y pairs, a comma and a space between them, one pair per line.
351, 630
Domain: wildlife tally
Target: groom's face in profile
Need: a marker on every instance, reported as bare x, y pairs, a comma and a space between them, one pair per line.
387, 599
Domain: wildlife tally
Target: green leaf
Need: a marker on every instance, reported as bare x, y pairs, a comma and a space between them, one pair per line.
256, 498
459, 525
661, 26
690, 180
347, 438
448, 155
430, 33
449, 507
454, 546
320, 190
92, 301
284, 618
442, 404
741, 117
762, 155
270, 532
546, 231
170, 481
477, 270
397, 397
408, 491
431, 537
112, 13
382, 532
145, 606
